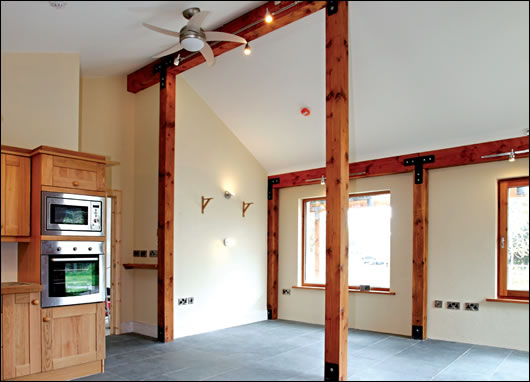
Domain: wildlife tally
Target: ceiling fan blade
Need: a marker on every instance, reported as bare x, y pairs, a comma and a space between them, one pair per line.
173, 49
161, 30
197, 19
222, 36
207, 53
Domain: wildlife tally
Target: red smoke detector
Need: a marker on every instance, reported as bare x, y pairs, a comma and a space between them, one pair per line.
305, 112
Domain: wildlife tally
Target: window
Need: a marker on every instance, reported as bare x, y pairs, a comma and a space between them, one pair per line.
513, 238
369, 241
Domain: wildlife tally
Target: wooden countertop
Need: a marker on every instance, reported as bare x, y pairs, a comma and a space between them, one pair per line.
15, 287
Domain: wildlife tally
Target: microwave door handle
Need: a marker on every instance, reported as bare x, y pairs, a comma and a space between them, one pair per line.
64, 260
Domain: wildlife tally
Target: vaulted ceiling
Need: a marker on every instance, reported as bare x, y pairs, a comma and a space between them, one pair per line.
424, 75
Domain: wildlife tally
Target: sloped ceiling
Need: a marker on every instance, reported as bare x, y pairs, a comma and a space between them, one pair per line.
424, 75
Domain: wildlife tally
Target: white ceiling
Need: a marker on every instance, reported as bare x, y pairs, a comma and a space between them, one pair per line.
108, 34
424, 75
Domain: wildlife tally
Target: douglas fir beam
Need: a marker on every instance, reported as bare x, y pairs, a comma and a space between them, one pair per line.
272, 252
250, 26
419, 255
337, 179
166, 182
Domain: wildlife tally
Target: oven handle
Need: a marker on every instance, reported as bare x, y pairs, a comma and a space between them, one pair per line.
61, 260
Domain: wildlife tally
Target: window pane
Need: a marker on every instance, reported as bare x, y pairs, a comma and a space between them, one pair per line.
518, 238
315, 242
369, 240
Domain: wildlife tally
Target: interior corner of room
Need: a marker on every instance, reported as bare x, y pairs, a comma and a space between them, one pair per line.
227, 227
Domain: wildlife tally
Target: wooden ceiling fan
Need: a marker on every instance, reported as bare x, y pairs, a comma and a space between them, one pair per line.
193, 38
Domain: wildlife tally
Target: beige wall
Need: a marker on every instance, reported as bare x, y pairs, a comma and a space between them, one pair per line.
383, 313
9, 266
462, 256
107, 121
40, 99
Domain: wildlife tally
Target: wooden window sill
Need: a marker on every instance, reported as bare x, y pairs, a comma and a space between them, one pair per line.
140, 266
507, 300
389, 293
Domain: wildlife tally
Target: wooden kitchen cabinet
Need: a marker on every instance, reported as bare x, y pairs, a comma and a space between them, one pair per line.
21, 334
16, 178
72, 335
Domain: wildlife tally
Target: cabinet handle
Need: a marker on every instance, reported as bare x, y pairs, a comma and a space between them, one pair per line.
46, 319
75, 183
35, 302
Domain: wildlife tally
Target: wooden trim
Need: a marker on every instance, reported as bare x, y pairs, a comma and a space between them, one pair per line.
502, 253
73, 191
116, 258
65, 374
17, 239
350, 290
420, 247
146, 77
508, 300
455, 156
73, 238
166, 195
140, 266
15, 151
273, 208
337, 176
16, 287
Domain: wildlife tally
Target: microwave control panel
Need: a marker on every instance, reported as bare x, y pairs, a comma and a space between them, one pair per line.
95, 224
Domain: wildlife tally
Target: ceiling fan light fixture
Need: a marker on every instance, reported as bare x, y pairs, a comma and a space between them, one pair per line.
192, 43
268, 17
247, 51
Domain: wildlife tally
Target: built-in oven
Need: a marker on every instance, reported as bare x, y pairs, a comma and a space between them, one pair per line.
72, 272
72, 214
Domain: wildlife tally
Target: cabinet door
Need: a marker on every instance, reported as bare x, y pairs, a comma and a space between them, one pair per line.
21, 333
17, 195
3, 191
72, 335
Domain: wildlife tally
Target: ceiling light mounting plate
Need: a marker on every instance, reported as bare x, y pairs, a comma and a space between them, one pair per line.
190, 12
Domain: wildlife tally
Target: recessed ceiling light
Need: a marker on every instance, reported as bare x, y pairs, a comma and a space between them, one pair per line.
57, 4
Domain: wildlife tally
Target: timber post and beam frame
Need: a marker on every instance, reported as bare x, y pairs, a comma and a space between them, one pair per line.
337, 183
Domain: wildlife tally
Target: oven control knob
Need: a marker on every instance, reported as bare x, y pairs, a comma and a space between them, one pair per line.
75, 248
89, 248
58, 249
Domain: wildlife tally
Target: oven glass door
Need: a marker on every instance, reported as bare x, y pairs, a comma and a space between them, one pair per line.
68, 214
72, 276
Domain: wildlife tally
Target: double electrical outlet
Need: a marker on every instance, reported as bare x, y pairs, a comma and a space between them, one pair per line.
186, 301
143, 253
453, 305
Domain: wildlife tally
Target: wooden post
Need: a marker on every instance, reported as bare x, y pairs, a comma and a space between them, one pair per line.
272, 254
166, 192
337, 179
419, 258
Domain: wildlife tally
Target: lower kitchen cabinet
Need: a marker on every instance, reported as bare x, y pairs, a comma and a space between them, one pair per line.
21, 334
72, 335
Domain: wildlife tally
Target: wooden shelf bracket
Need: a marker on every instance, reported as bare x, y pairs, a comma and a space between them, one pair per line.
204, 203
245, 207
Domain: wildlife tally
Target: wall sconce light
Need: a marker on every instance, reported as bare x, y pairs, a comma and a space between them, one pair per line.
204, 202
228, 194
245, 207
229, 242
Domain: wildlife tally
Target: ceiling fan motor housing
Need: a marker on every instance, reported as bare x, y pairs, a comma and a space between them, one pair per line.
192, 40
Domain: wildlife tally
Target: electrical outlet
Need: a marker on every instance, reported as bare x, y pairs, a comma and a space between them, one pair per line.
471, 306
153, 253
438, 304
136, 253
143, 253
190, 300
453, 305
183, 301
286, 291
364, 288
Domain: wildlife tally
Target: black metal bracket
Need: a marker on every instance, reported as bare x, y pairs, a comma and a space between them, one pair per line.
332, 7
161, 68
269, 188
331, 372
418, 163
417, 332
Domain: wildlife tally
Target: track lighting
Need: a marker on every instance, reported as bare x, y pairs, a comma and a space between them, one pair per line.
268, 17
247, 51
512, 156
176, 62
323, 180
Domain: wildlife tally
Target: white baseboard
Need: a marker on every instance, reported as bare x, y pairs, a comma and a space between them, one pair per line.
140, 328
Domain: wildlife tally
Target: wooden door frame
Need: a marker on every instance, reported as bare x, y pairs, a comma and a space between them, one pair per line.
116, 256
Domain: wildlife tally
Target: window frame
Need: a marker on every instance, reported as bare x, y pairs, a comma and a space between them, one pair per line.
502, 231
307, 200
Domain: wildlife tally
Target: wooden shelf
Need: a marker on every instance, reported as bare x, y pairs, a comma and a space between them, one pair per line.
508, 300
140, 266
385, 292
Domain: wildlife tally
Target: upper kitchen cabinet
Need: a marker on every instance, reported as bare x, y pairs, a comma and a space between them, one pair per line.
16, 178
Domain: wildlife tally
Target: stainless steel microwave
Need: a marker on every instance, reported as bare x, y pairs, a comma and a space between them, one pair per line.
72, 215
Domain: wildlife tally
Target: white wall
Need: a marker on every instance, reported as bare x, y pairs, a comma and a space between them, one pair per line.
228, 284
383, 313
462, 257
9, 264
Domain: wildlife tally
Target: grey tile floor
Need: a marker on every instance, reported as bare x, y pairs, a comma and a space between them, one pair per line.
291, 351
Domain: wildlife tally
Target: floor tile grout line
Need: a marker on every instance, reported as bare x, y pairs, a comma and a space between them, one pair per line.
456, 359
500, 364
